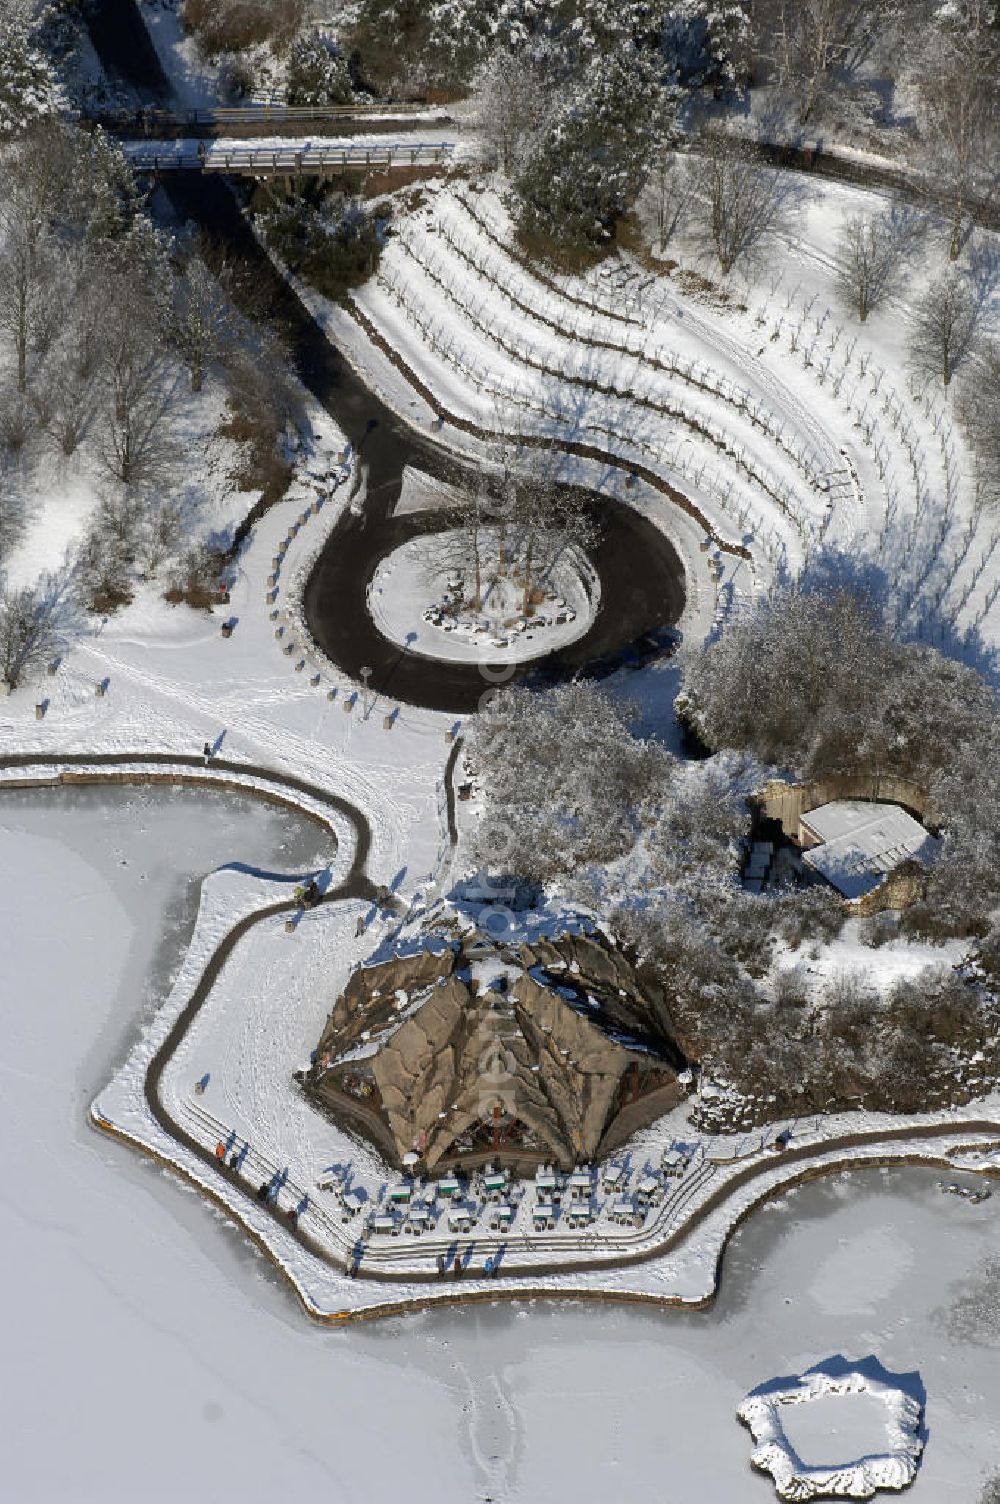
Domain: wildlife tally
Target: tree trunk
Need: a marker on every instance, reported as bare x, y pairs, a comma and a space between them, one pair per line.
21, 340
955, 248
526, 600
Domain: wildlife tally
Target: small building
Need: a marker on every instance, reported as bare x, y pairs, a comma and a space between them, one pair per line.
580, 1214
350, 1205
543, 1216
401, 1195
460, 1219
501, 1217
384, 1227
418, 1219
495, 1184
855, 843
612, 1177
546, 1181
449, 1188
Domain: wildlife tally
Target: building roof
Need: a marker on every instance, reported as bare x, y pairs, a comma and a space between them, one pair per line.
452, 1069
861, 842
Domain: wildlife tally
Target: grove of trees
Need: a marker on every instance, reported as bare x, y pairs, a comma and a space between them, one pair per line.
104, 320
810, 682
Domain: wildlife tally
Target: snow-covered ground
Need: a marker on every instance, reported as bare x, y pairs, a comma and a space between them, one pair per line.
58, 496
411, 585
139, 1316
788, 427
197, 82
175, 682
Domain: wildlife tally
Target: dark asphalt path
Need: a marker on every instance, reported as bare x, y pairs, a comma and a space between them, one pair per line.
642, 580
115, 767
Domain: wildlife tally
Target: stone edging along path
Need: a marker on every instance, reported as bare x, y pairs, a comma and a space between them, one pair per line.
531, 441
809, 1160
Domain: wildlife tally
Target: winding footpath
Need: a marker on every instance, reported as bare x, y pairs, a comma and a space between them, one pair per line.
642, 587
642, 578
858, 1149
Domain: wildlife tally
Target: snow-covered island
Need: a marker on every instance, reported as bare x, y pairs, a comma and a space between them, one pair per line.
853, 1404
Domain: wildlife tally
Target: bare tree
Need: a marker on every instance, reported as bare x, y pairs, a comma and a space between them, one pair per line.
549, 519
64, 393
957, 82
741, 200
511, 98
810, 43
475, 513
25, 266
11, 521
138, 385
31, 626
202, 319
943, 327
870, 251
672, 188
979, 408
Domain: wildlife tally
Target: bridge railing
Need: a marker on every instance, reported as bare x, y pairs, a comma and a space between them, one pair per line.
270, 160
155, 120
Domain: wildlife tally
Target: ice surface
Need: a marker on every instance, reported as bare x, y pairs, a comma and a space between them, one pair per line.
829, 1430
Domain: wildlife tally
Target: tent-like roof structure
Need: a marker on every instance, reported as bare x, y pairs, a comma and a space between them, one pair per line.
860, 843
517, 1050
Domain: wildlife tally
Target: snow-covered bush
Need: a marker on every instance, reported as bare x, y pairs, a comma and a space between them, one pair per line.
194, 578
318, 72
28, 86
698, 42
105, 573
564, 782
231, 25
332, 241
962, 894
813, 679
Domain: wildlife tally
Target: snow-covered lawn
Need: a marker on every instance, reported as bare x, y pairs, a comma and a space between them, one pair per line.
787, 426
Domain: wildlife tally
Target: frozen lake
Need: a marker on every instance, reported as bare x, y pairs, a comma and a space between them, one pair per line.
150, 1352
